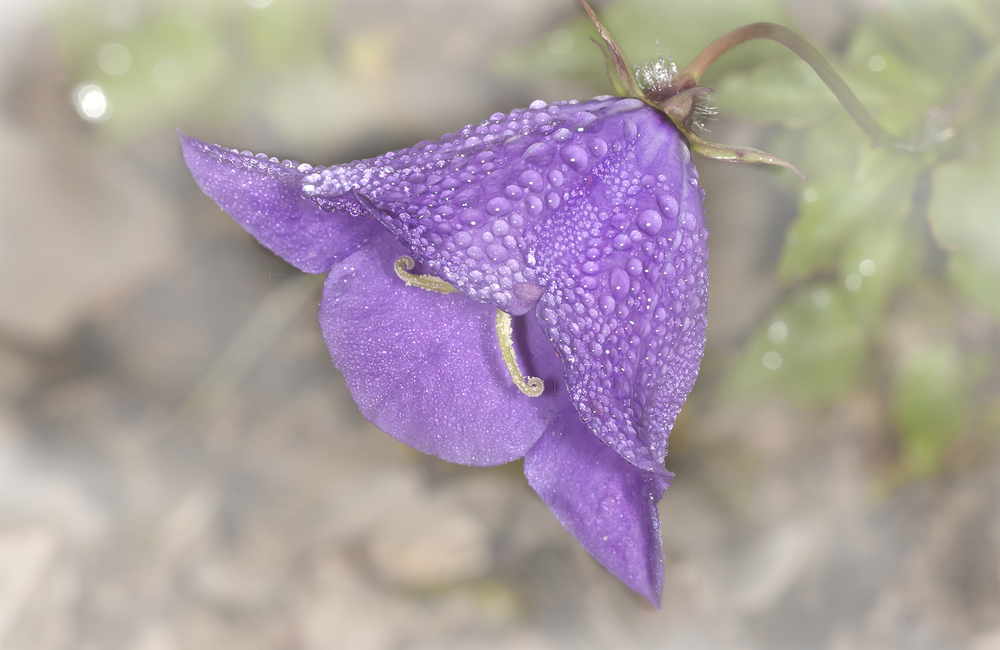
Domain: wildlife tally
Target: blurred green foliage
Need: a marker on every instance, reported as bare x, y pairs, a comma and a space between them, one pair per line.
224, 63
891, 267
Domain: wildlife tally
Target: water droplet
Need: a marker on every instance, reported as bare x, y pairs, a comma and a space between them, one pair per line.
562, 135
532, 180
474, 252
552, 200
622, 243
513, 192
500, 228
650, 222
462, 238
598, 148
688, 221
634, 267
537, 105
471, 216
591, 267
607, 304
581, 120
668, 204
629, 129
497, 252
539, 153
534, 205
497, 206
556, 177
621, 221
619, 282
596, 349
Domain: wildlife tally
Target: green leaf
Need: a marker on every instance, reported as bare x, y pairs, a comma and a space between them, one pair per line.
877, 258
811, 350
978, 283
928, 405
965, 205
840, 203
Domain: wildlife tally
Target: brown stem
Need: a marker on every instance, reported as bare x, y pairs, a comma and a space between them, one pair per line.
692, 74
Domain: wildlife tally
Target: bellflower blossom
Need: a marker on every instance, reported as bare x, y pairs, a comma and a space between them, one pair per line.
583, 222
531, 286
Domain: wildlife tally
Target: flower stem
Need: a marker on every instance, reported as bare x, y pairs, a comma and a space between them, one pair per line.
691, 75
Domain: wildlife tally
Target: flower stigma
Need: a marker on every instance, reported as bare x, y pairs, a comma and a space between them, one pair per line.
429, 282
530, 386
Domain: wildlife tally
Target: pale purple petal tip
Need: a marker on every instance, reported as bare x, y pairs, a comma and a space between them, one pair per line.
608, 504
265, 197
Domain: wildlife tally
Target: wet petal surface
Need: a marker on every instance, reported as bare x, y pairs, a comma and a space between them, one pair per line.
608, 504
426, 368
626, 256
265, 197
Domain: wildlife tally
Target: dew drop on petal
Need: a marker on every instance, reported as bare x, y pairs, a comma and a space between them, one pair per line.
668, 204
619, 281
497, 206
574, 156
622, 243
598, 148
531, 180
650, 222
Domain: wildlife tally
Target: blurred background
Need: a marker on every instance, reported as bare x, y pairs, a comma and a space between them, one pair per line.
181, 465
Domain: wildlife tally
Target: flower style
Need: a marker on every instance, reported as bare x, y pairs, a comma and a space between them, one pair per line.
565, 239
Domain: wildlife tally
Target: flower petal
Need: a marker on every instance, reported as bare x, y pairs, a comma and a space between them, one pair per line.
470, 206
426, 368
626, 260
265, 197
608, 504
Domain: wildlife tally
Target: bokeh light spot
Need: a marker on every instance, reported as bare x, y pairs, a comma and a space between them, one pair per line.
114, 58
91, 103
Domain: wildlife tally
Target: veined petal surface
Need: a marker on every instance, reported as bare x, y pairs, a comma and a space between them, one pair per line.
608, 504
426, 368
265, 197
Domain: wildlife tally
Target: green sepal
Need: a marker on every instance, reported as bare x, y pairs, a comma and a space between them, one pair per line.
732, 153
619, 68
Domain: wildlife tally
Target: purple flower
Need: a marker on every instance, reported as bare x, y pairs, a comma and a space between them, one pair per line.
561, 249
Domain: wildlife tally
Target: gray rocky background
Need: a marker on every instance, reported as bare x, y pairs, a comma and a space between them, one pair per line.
181, 465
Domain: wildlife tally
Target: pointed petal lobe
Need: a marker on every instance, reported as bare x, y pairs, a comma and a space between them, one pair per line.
608, 504
265, 197
625, 305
